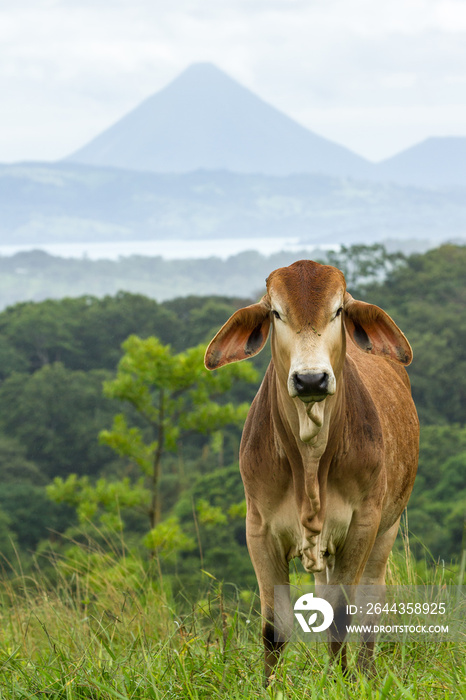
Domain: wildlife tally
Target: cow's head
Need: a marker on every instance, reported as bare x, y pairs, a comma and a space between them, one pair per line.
308, 306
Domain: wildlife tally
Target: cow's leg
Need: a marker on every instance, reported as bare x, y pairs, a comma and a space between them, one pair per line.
338, 597
272, 569
374, 576
349, 564
337, 647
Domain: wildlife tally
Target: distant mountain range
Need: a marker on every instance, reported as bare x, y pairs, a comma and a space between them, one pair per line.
205, 120
67, 203
436, 162
207, 159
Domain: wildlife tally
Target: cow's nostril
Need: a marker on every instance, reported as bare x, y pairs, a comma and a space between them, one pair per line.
311, 383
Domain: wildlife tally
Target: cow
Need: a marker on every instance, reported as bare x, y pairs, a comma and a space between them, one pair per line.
329, 449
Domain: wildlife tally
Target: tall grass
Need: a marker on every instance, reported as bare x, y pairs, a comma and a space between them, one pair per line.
101, 624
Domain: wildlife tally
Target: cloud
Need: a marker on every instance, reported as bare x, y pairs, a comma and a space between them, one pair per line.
347, 69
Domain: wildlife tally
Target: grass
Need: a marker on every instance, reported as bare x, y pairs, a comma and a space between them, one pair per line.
102, 626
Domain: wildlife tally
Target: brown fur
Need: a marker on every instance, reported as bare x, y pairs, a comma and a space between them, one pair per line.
294, 284
325, 481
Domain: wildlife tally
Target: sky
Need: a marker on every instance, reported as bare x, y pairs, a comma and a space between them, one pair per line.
376, 77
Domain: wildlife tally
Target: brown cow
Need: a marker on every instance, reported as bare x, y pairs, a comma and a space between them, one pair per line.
330, 446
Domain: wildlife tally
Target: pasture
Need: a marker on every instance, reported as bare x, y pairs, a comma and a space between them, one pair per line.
100, 625
87, 613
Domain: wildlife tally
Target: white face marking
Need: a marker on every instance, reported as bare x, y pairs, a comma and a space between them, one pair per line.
307, 351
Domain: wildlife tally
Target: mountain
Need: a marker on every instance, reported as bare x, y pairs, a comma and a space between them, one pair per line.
206, 120
69, 203
436, 162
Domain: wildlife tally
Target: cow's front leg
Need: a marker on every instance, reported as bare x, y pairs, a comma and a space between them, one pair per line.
350, 561
339, 597
373, 590
272, 569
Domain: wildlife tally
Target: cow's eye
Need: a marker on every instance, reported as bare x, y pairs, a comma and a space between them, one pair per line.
275, 313
339, 311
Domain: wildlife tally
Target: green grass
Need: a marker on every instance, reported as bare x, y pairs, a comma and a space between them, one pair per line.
104, 626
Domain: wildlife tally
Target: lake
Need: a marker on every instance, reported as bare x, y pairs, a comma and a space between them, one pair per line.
169, 249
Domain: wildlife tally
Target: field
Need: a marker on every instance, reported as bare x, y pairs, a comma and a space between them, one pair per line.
99, 625
171, 611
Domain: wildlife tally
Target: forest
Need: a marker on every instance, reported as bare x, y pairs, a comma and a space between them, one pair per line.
35, 275
78, 439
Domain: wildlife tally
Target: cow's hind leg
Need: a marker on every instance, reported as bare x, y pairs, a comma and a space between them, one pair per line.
374, 577
272, 571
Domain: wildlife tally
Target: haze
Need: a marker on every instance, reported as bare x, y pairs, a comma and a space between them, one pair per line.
375, 78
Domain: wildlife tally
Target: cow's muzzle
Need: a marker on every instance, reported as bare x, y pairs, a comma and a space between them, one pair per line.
311, 386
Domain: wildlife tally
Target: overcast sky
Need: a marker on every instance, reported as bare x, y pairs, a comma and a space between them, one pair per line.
372, 75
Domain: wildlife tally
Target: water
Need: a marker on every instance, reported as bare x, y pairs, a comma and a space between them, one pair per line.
168, 249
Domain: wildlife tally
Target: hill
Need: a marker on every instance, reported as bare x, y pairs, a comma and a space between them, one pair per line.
66, 203
436, 162
206, 120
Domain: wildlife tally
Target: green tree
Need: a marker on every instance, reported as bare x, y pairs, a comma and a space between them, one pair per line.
426, 297
217, 498
55, 414
362, 264
199, 318
173, 395
83, 333
28, 515
7, 540
437, 507
40, 334
169, 397
14, 465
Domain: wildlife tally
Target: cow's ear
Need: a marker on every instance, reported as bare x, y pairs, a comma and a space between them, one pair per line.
243, 335
372, 330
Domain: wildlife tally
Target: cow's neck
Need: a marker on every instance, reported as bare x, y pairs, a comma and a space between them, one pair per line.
306, 433
310, 425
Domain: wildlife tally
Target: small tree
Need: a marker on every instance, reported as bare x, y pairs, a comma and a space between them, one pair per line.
362, 264
174, 395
